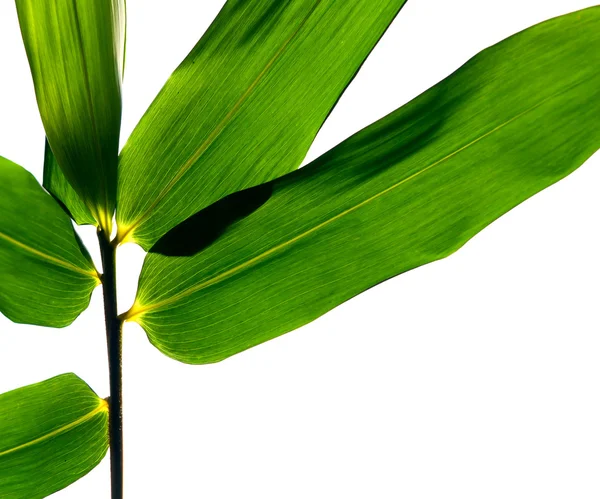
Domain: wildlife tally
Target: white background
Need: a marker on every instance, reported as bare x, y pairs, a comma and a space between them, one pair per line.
473, 377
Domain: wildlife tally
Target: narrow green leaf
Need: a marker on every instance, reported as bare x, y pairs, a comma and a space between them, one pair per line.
408, 190
47, 274
51, 434
57, 184
75, 51
243, 107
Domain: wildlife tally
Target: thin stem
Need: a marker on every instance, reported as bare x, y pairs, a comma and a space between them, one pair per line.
113, 340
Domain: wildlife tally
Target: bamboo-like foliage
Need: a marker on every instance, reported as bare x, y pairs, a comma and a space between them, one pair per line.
241, 245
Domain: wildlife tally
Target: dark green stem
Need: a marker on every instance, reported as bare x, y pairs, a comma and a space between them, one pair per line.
113, 339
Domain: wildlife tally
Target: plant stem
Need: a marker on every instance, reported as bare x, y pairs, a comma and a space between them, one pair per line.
113, 340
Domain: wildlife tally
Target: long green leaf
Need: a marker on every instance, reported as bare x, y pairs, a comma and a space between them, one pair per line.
51, 434
243, 107
75, 51
57, 184
410, 189
47, 276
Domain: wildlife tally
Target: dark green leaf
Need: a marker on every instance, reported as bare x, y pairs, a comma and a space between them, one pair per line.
57, 184
410, 189
47, 274
243, 107
51, 434
75, 51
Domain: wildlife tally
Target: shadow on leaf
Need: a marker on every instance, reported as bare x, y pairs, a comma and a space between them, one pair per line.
205, 227
266, 21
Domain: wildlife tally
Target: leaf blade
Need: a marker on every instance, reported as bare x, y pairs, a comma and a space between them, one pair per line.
51, 434
410, 189
47, 274
75, 52
261, 75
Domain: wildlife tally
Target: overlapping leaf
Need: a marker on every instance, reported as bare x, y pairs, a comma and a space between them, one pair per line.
243, 107
75, 51
47, 276
57, 184
51, 434
410, 189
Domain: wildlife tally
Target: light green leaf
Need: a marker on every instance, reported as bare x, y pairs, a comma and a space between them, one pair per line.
51, 434
408, 190
57, 184
47, 274
75, 51
243, 107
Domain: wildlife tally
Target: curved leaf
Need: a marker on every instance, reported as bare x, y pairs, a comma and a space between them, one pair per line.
47, 274
243, 107
75, 51
57, 184
51, 434
408, 190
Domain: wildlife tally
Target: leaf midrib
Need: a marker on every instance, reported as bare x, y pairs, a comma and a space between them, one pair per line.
205, 145
138, 309
102, 407
50, 258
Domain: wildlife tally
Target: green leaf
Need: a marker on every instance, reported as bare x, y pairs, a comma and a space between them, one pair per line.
51, 434
243, 107
57, 184
47, 274
75, 51
410, 189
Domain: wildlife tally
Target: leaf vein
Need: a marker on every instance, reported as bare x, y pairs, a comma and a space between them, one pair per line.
50, 258
102, 407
